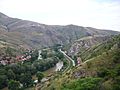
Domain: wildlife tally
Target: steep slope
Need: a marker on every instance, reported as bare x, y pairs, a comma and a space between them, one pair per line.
101, 71
9, 52
98, 72
85, 43
32, 34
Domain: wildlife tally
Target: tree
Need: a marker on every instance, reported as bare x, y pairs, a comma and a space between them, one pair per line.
2, 71
13, 85
26, 79
116, 57
3, 81
34, 55
10, 74
56, 47
83, 84
59, 55
39, 76
75, 59
16, 68
44, 54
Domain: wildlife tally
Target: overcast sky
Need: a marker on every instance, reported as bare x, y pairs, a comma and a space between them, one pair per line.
104, 14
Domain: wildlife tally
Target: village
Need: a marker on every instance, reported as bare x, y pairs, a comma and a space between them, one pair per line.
6, 59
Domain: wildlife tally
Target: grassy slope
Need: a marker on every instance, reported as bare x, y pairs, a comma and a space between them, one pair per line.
99, 49
103, 65
15, 48
104, 62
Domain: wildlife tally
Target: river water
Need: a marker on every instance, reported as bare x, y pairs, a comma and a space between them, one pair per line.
59, 66
39, 55
56, 68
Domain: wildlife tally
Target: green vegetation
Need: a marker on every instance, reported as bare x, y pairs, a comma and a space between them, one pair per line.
13, 85
44, 54
39, 75
82, 84
59, 55
100, 48
100, 72
112, 71
104, 63
20, 72
3, 81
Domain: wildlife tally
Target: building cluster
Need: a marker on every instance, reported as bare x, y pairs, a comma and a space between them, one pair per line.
5, 59
79, 61
23, 58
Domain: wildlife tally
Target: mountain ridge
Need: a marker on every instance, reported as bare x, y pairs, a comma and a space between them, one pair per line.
37, 35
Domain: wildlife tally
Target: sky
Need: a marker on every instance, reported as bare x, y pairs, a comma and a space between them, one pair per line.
102, 14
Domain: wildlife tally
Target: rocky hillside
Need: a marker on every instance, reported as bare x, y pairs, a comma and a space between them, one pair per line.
83, 44
103, 65
101, 71
31, 34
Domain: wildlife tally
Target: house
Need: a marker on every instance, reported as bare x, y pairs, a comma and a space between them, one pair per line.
79, 61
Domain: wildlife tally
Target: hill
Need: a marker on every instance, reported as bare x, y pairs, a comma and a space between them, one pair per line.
102, 65
83, 44
99, 70
32, 34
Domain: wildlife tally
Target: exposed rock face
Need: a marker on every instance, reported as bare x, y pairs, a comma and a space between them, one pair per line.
79, 74
86, 43
33, 34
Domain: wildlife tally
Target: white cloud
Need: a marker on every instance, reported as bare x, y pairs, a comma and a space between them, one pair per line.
80, 12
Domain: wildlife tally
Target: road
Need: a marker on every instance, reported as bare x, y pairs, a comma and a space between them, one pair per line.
70, 59
73, 62
87, 61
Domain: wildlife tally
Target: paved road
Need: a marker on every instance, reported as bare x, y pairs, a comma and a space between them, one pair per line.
73, 62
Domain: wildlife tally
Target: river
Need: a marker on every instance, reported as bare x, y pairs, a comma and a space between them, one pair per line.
57, 67
39, 55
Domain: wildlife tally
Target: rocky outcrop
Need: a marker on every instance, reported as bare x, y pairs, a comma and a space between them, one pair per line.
86, 43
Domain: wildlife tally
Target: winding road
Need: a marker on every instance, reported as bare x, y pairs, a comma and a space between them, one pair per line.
73, 62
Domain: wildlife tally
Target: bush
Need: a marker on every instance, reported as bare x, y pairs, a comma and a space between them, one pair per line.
39, 75
83, 84
13, 85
